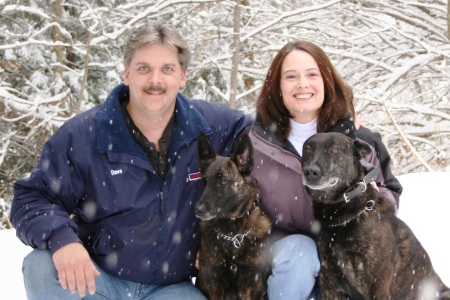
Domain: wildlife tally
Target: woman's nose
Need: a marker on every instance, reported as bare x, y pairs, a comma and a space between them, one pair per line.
302, 82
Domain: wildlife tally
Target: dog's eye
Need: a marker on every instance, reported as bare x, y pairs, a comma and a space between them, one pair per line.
335, 150
307, 149
204, 181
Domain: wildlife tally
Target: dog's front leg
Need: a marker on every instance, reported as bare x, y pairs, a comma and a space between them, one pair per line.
330, 288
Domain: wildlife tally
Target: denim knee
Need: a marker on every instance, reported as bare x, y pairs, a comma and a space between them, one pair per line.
40, 276
299, 251
37, 265
295, 266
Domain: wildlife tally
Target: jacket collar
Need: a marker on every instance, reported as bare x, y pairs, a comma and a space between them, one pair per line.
113, 136
269, 135
345, 126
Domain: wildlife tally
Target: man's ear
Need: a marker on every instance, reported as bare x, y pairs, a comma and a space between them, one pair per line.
126, 75
243, 155
183, 78
362, 149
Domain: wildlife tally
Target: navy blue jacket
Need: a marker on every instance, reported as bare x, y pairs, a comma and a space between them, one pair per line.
95, 185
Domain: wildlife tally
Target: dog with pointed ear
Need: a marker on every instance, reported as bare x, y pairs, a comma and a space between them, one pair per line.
234, 262
242, 154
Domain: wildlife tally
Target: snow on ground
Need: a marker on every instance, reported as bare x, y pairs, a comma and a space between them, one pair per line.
424, 206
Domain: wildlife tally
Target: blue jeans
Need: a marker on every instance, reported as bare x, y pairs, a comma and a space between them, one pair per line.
295, 266
41, 282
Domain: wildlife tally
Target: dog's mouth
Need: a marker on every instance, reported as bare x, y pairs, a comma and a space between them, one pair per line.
332, 181
205, 217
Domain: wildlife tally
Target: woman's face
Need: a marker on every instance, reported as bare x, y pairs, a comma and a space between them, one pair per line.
302, 86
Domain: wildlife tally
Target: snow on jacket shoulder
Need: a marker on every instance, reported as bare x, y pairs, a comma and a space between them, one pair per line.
134, 224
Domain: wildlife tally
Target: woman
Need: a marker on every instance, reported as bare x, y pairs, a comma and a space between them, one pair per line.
302, 95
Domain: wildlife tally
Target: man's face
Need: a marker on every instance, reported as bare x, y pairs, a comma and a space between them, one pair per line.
154, 77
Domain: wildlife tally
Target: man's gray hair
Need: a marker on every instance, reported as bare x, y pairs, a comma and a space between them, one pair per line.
157, 33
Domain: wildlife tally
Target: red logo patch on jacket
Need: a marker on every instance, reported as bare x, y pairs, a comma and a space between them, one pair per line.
195, 176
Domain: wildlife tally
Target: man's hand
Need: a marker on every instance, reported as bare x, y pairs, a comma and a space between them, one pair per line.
75, 269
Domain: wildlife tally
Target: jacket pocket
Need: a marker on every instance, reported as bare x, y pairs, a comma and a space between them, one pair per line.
105, 243
98, 240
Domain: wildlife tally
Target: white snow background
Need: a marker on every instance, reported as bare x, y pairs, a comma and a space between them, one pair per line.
424, 206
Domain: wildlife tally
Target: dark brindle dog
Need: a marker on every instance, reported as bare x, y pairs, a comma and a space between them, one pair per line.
366, 252
233, 260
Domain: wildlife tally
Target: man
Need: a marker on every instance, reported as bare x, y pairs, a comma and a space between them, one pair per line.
109, 208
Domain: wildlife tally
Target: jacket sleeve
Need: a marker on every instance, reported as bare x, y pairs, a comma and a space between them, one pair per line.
390, 182
43, 202
227, 124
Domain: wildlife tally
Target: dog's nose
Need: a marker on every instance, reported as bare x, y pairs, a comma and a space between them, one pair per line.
199, 210
311, 172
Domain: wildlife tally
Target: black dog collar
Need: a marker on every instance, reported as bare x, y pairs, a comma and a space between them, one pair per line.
361, 186
248, 212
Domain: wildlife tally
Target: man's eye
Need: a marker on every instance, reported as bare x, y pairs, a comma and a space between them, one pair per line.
168, 69
143, 68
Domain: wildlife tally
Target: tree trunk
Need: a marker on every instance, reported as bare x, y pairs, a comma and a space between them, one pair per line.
56, 37
448, 19
236, 50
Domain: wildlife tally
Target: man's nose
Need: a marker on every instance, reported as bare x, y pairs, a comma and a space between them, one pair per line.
154, 77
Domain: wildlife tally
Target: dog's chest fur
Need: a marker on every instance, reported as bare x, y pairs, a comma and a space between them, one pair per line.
366, 252
235, 253
348, 245
240, 241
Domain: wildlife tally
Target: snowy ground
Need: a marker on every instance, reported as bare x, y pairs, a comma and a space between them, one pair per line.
424, 206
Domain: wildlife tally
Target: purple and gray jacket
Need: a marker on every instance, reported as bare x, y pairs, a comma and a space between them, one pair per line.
277, 169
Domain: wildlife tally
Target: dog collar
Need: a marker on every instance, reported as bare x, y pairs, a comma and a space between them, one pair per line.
236, 240
361, 186
248, 212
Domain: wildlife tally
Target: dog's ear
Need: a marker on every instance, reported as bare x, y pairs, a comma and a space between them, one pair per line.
206, 153
362, 149
243, 154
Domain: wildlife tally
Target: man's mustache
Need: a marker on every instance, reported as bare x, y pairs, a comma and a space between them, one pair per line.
154, 88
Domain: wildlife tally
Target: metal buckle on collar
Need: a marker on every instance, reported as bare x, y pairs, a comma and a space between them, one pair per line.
364, 185
369, 205
361, 187
346, 198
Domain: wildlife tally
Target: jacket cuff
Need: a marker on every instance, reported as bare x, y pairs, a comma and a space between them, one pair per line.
61, 237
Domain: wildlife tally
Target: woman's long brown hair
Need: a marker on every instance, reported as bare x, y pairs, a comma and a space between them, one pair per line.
338, 102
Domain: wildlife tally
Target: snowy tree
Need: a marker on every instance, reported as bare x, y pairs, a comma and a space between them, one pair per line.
58, 58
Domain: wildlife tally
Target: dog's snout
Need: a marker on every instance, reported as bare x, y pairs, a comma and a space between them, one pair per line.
311, 172
199, 210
